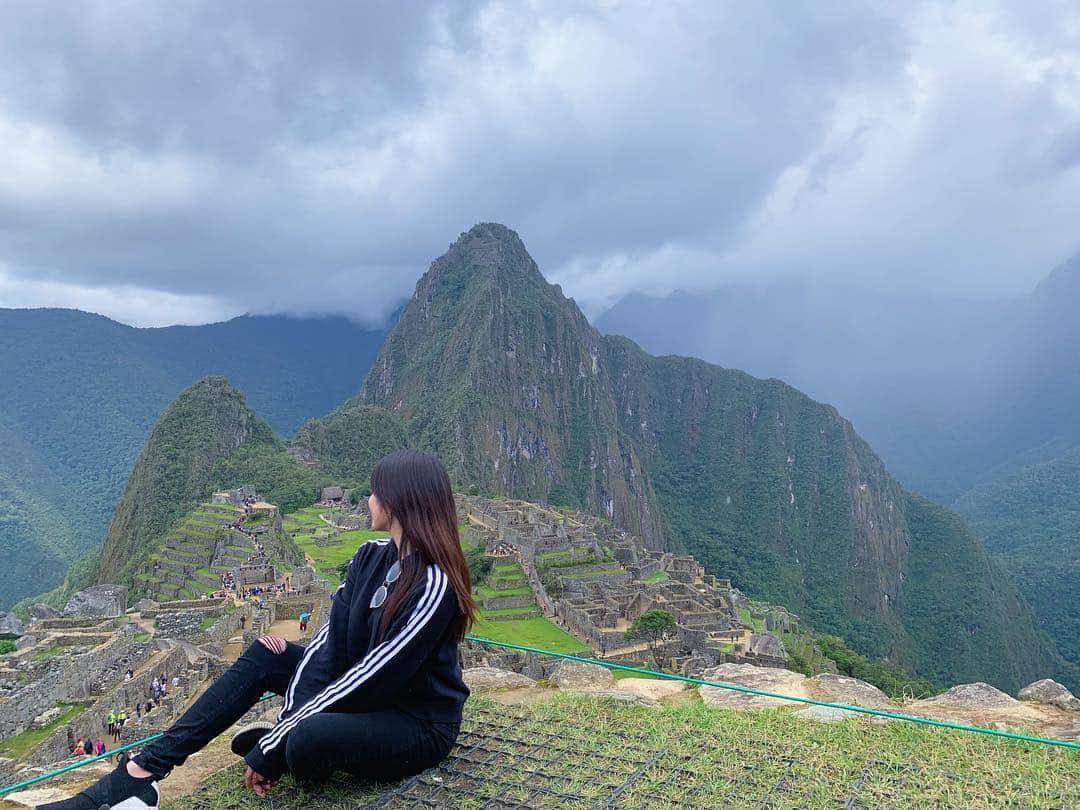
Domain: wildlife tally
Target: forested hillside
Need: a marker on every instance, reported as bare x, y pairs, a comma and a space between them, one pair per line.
970, 402
79, 394
1030, 520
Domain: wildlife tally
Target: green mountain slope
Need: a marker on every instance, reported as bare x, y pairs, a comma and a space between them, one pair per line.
79, 394
493, 369
496, 371
348, 442
207, 438
1030, 520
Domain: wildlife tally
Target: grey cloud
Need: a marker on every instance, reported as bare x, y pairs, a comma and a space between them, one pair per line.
315, 157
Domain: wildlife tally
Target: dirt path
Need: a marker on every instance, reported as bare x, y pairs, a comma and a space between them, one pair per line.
189, 776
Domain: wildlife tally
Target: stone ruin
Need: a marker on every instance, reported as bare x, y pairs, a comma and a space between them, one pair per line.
99, 601
597, 586
258, 572
234, 497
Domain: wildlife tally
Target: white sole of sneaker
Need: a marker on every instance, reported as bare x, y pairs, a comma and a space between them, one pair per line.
135, 803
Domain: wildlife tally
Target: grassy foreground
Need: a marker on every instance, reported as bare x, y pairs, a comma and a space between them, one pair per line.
579, 751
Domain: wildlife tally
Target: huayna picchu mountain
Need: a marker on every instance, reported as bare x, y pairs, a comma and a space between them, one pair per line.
502, 376
207, 439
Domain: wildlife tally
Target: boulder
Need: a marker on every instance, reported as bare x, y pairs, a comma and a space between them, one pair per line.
10, 626
1050, 693
976, 695
651, 688
481, 679
47, 717
40, 610
765, 644
625, 696
579, 675
99, 601
852, 691
824, 714
768, 679
146, 604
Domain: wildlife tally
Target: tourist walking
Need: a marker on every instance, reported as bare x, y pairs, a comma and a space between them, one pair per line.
378, 693
304, 618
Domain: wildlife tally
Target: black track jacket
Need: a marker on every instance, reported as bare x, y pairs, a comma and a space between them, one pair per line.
414, 669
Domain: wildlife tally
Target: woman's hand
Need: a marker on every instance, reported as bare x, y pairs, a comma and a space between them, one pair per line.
257, 783
274, 644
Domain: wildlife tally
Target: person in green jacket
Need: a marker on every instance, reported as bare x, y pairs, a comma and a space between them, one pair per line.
112, 721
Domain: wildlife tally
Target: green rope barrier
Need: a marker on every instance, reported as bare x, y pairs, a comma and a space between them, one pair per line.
748, 690
611, 665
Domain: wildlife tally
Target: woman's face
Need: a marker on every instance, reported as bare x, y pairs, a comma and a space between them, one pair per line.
380, 521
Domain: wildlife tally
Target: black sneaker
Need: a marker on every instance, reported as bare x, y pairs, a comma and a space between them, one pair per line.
118, 790
244, 739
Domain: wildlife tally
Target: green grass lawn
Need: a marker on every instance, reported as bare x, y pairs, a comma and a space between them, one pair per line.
484, 592
753, 621
537, 632
22, 744
509, 611
326, 559
576, 751
653, 579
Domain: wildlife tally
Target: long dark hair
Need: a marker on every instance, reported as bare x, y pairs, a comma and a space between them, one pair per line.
414, 488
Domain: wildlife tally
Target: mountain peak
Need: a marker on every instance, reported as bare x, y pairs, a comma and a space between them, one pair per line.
486, 252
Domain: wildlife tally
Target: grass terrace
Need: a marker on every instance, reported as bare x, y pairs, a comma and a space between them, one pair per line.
534, 632
326, 559
20, 745
576, 751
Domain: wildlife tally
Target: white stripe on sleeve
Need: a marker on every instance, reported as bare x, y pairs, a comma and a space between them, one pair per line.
434, 591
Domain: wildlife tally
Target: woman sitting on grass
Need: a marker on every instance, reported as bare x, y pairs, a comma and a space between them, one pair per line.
377, 693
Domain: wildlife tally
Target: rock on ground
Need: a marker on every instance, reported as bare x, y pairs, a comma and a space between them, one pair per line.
480, 679
765, 644
652, 688
824, 714
99, 601
40, 610
10, 626
47, 717
769, 679
1051, 693
579, 675
977, 695
624, 696
979, 704
852, 691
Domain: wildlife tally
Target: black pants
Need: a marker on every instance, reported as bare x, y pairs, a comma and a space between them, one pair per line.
378, 745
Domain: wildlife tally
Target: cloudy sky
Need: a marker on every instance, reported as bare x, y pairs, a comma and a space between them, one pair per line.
183, 162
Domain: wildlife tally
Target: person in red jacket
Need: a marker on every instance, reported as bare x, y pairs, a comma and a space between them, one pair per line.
377, 692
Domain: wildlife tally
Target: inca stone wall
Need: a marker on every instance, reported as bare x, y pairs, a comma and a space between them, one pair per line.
68, 678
